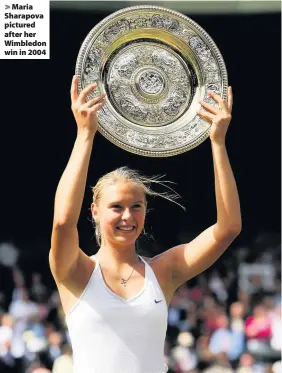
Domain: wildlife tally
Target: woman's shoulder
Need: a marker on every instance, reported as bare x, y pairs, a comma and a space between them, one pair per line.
146, 258
153, 261
157, 262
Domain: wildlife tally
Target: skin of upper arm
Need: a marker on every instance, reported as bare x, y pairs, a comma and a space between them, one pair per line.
64, 252
189, 260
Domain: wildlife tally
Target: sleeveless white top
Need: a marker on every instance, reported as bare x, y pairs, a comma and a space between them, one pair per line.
110, 334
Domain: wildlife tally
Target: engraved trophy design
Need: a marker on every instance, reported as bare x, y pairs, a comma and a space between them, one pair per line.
155, 65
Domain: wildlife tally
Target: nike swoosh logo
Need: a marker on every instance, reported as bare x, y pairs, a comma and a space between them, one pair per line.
158, 301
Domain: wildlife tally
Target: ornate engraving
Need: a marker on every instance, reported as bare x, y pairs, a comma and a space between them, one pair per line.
151, 82
153, 86
140, 22
91, 70
168, 23
173, 104
186, 34
137, 81
126, 65
201, 49
118, 28
165, 61
139, 112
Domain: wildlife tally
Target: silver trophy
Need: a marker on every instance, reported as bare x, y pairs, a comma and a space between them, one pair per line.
154, 65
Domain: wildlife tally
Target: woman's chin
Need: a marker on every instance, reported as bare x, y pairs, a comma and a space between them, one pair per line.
126, 237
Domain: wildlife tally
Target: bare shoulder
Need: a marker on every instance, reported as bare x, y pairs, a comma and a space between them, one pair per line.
147, 259
158, 262
81, 268
71, 288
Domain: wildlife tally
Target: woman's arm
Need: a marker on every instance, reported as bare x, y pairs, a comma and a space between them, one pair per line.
71, 188
227, 198
64, 251
188, 260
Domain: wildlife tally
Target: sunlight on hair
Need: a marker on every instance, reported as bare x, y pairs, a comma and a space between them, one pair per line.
133, 176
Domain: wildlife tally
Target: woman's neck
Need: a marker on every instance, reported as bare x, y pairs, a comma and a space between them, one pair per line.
117, 257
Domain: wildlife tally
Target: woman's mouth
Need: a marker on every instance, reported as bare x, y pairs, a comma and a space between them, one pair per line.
127, 228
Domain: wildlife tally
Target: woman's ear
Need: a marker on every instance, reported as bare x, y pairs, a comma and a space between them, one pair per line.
94, 211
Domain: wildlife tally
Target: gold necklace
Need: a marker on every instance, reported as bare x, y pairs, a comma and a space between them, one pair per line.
124, 281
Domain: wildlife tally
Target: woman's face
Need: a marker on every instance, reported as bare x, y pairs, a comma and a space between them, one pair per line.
120, 213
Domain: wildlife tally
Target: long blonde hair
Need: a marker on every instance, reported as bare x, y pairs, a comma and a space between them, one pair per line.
134, 177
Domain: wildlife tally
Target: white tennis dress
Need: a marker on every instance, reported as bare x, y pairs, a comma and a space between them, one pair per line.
110, 334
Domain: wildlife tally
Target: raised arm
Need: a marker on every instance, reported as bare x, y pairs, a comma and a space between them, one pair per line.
65, 252
188, 260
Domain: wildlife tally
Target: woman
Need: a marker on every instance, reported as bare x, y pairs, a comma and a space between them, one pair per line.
115, 301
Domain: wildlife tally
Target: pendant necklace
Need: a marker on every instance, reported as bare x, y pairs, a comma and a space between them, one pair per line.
123, 281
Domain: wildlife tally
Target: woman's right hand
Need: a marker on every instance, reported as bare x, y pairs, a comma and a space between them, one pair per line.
85, 113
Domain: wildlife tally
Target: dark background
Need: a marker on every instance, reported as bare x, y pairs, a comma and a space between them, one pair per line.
38, 132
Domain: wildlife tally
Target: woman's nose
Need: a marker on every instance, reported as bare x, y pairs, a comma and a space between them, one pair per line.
126, 214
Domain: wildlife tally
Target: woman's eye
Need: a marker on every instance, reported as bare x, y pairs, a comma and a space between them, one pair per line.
116, 206
137, 206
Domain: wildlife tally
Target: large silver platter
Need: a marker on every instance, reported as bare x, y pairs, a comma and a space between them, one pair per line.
155, 65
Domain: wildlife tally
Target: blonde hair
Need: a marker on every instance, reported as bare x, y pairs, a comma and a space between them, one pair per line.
134, 177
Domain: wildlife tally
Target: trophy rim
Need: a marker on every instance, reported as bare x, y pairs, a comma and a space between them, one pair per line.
199, 31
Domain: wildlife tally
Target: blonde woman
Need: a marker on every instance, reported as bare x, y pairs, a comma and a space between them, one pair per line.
116, 302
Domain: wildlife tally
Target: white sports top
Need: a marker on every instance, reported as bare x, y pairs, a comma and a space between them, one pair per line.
110, 334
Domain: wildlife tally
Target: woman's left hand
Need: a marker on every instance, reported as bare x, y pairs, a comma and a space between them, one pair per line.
220, 117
